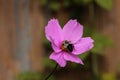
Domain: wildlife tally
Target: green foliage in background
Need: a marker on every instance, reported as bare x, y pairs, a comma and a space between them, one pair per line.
100, 43
108, 76
106, 4
55, 4
49, 63
29, 76
33, 76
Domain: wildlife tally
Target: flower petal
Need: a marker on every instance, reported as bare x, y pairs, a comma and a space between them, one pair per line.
83, 45
59, 58
56, 46
53, 31
72, 58
72, 31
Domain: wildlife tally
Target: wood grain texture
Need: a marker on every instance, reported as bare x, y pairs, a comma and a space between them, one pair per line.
21, 36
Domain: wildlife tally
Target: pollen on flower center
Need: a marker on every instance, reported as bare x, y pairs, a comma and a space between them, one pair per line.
67, 46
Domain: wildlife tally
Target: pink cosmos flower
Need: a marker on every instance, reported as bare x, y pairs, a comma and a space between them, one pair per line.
67, 43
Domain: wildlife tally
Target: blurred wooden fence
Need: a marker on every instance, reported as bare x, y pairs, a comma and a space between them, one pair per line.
22, 26
21, 30
108, 23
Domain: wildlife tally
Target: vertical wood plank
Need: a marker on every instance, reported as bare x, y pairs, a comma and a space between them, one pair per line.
23, 40
21, 35
6, 40
37, 31
108, 23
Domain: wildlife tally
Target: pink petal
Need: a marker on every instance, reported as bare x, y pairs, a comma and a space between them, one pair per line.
72, 31
56, 46
83, 45
53, 31
59, 58
72, 58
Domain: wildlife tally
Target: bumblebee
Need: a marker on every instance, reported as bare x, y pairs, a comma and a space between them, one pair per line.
67, 46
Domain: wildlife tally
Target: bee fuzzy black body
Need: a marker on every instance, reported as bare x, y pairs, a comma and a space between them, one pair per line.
70, 47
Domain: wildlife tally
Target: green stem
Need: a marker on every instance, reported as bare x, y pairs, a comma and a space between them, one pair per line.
51, 72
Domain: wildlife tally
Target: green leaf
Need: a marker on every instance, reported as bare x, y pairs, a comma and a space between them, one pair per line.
43, 2
100, 42
55, 6
106, 4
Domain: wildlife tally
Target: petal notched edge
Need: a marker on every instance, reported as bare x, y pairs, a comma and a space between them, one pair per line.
53, 33
53, 30
72, 31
